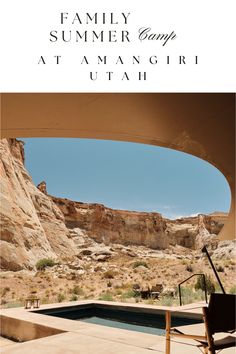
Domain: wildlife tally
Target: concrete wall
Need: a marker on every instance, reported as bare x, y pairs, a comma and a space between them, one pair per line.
22, 331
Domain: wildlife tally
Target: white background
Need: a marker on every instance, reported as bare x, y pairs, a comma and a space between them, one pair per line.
205, 28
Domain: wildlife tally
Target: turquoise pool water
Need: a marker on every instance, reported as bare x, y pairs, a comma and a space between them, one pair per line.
123, 325
131, 318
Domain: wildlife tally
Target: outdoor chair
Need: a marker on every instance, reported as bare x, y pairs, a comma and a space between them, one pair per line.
219, 317
32, 302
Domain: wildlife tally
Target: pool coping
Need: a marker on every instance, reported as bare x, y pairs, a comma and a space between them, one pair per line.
85, 338
56, 330
54, 325
187, 312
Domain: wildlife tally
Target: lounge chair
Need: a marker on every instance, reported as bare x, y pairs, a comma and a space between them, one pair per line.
219, 317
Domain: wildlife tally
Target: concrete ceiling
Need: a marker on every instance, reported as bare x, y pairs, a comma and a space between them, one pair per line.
200, 124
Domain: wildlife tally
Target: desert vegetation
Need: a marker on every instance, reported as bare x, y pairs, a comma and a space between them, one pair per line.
44, 262
116, 276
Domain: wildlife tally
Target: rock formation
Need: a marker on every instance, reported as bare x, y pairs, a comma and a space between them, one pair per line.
194, 232
32, 226
115, 226
35, 225
42, 187
140, 228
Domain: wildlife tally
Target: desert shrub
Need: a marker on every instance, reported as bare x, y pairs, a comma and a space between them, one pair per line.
190, 295
184, 262
44, 262
128, 294
118, 292
126, 285
44, 301
3, 302
186, 291
77, 290
74, 297
233, 290
109, 274
106, 297
210, 286
13, 304
166, 301
217, 288
189, 268
47, 293
140, 263
5, 290
60, 297
220, 269
151, 301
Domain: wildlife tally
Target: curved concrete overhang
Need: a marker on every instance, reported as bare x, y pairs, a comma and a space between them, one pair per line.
201, 124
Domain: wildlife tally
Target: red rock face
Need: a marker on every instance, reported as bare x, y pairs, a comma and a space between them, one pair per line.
35, 225
117, 226
139, 228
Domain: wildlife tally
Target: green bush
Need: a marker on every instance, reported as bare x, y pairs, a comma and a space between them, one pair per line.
140, 263
74, 297
167, 301
210, 286
77, 290
128, 294
106, 297
60, 297
218, 288
233, 290
14, 304
190, 295
44, 262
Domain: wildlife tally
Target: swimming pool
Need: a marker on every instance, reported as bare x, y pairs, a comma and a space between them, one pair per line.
125, 317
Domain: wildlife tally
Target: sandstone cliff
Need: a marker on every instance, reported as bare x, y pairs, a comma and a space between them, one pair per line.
194, 232
32, 226
36, 225
115, 226
139, 228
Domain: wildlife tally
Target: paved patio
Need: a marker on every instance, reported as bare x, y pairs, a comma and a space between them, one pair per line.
85, 338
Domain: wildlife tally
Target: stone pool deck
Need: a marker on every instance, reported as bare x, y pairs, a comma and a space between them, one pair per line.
62, 336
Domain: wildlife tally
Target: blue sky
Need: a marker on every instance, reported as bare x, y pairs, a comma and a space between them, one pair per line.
127, 176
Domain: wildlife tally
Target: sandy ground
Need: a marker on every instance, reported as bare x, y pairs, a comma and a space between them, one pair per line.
112, 279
